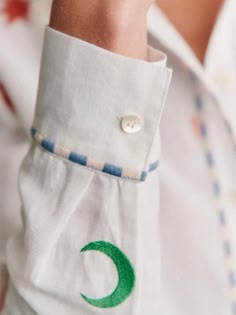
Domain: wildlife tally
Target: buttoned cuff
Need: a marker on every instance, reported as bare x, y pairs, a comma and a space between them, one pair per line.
85, 92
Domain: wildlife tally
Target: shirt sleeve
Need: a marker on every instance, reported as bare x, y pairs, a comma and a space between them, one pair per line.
89, 185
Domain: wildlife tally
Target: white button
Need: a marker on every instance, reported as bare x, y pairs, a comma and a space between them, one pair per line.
131, 123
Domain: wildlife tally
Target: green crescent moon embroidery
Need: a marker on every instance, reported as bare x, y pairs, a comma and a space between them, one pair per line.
125, 271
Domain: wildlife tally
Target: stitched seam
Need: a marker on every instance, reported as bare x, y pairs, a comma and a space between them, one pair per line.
159, 114
82, 160
216, 189
85, 167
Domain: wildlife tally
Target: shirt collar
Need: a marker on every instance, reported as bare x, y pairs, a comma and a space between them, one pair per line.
161, 28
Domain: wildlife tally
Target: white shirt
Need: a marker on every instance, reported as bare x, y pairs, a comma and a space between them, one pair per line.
157, 206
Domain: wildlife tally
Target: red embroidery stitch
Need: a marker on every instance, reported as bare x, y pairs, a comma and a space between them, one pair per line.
16, 9
2, 299
195, 121
3, 289
6, 98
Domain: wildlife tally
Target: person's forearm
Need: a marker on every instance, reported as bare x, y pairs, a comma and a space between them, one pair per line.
119, 26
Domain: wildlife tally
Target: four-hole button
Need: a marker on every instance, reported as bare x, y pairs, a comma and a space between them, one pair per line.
131, 124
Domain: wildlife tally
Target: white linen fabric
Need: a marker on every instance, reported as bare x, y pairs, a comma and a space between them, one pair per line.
138, 223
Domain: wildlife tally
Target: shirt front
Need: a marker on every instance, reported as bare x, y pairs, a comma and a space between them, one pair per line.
197, 184
118, 222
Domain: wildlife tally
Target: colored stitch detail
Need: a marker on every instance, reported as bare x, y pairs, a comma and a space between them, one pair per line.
6, 97
216, 188
222, 217
227, 248
203, 129
210, 159
153, 166
228, 127
217, 191
125, 272
77, 158
48, 145
33, 132
83, 160
196, 125
143, 176
112, 170
198, 102
232, 279
234, 308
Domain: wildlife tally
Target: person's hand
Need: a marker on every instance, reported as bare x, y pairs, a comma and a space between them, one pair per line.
116, 25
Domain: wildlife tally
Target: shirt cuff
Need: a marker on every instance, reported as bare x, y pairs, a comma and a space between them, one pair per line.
84, 93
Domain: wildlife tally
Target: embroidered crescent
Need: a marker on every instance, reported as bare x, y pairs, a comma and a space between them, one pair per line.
125, 271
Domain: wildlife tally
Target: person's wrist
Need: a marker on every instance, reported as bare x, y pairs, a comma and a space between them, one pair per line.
114, 25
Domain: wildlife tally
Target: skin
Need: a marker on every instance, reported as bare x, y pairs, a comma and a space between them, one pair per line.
194, 20
120, 26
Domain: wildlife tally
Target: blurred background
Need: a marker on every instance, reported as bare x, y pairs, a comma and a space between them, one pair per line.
22, 24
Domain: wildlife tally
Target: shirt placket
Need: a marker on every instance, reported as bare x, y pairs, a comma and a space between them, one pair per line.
216, 186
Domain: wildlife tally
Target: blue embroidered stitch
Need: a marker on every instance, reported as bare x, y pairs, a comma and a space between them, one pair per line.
210, 160
112, 170
217, 191
33, 131
153, 166
48, 145
83, 160
216, 187
222, 217
143, 176
203, 129
232, 279
227, 248
198, 102
234, 308
77, 158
